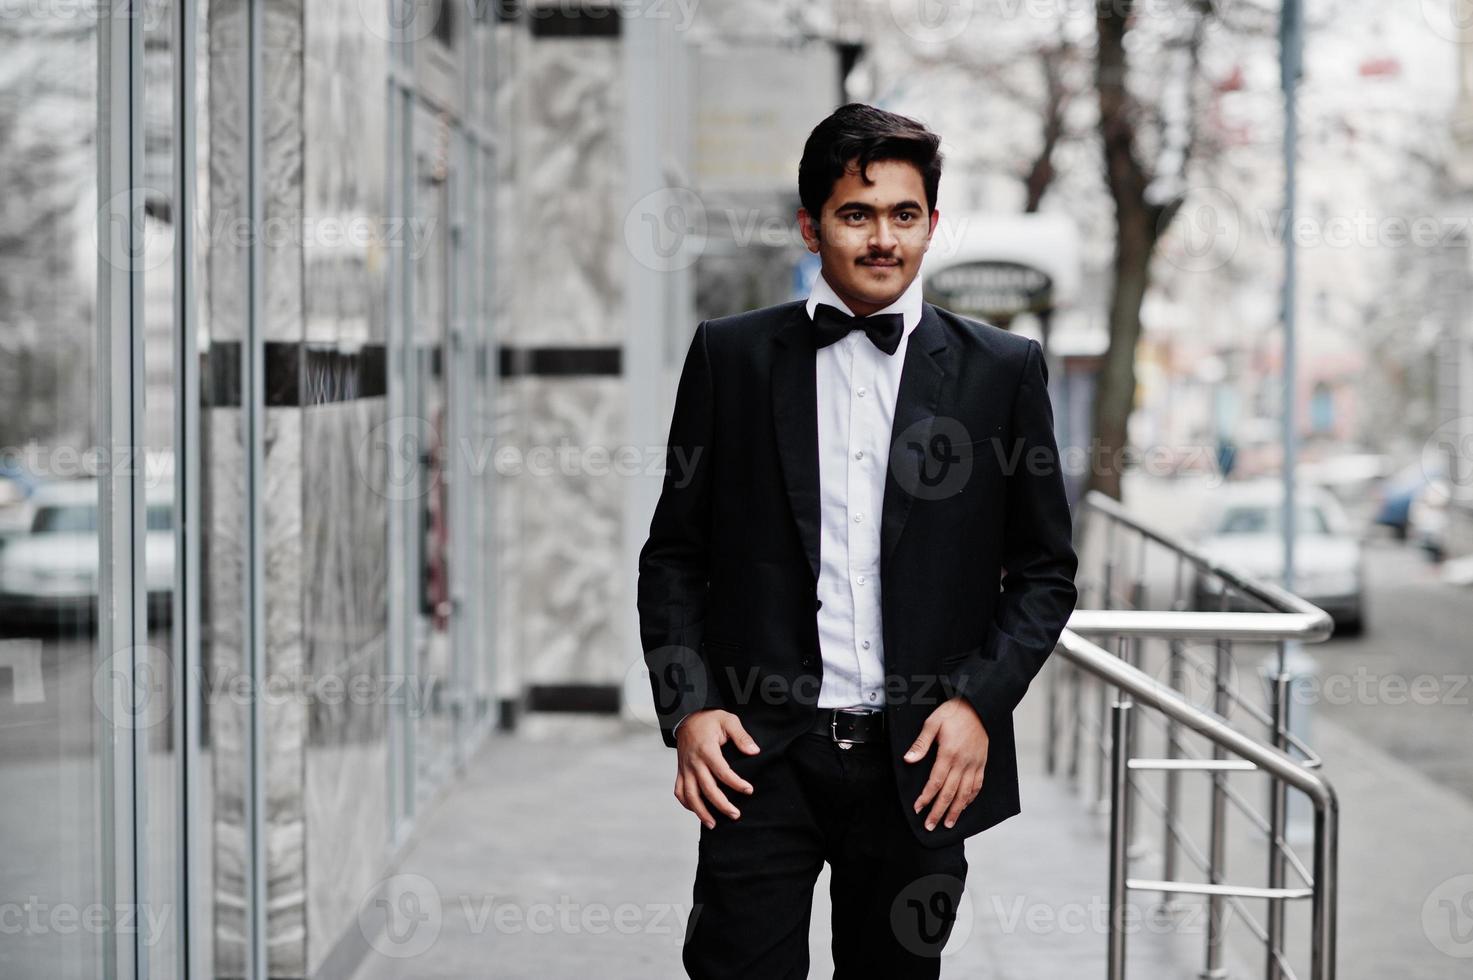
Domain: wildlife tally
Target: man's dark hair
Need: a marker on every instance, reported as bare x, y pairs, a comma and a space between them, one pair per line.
861, 131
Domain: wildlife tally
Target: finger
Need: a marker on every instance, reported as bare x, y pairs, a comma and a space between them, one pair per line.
922, 744
690, 798
745, 742
728, 775
939, 773
964, 796
943, 800
715, 796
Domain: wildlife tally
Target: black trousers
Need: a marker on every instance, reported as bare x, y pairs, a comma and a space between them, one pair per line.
894, 901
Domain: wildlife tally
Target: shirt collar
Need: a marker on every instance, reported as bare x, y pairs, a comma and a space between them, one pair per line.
907, 304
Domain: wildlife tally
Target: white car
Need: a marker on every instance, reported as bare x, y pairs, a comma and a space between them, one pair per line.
51, 570
1244, 529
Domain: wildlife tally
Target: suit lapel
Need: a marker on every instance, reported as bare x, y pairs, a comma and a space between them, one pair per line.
795, 420
927, 358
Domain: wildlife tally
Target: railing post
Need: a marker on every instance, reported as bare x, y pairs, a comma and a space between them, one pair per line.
1119, 829
1076, 722
1102, 787
1217, 833
1278, 810
1176, 680
1051, 734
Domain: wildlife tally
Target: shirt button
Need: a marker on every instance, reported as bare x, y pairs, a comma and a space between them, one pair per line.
858, 518
865, 644
861, 580
860, 392
859, 454
873, 696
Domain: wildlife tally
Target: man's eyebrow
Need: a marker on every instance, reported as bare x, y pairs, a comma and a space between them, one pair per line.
861, 206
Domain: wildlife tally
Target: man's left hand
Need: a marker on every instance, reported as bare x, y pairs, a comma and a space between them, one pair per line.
961, 755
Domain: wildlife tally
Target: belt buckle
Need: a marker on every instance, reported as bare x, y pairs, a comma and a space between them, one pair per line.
843, 743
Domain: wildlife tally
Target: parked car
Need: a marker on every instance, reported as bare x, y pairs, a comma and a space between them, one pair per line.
1244, 530
1399, 491
50, 572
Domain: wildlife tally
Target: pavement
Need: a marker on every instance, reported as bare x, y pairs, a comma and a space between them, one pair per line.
563, 853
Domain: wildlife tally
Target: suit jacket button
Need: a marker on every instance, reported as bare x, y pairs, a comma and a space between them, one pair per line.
807, 661
817, 604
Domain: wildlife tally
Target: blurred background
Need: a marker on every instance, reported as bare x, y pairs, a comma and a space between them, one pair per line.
337, 348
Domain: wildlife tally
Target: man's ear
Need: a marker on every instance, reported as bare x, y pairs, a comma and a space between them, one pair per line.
935, 220
808, 227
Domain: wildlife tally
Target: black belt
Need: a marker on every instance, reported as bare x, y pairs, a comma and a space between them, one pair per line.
849, 726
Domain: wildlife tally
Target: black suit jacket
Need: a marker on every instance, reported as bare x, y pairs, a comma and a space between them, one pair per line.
728, 577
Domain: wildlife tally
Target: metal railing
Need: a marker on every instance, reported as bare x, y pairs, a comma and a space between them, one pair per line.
1126, 623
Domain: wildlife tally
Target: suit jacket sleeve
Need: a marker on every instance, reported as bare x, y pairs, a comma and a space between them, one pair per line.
1038, 592
674, 562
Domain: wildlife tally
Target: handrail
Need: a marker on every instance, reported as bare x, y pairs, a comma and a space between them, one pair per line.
1275, 597
1209, 724
1170, 625
1140, 686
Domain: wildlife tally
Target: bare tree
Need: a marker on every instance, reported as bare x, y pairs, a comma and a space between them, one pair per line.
1147, 196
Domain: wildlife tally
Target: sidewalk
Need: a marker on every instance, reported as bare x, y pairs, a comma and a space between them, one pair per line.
565, 854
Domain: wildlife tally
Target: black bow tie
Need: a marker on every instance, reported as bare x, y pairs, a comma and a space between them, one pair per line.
831, 325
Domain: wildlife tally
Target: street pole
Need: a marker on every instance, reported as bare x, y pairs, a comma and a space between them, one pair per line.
1291, 40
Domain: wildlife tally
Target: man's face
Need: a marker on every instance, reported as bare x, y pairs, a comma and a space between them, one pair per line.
871, 237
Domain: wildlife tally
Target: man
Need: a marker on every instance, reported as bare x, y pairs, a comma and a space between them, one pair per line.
860, 559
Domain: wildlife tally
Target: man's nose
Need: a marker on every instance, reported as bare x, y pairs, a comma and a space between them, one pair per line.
884, 237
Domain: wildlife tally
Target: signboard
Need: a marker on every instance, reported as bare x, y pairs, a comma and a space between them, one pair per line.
991, 290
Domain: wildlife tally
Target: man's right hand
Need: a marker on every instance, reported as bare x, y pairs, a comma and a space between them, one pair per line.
698, 741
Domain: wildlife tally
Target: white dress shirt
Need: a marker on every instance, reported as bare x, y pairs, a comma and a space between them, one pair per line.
857, 386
